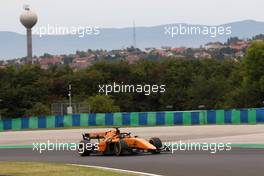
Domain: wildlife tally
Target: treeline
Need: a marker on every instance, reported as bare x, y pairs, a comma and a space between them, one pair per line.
211, 84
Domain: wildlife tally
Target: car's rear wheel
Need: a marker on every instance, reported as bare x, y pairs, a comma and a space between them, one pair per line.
120, 147
157, 143
82, 149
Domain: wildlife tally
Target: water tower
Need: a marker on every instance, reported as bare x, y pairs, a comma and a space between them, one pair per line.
28, 19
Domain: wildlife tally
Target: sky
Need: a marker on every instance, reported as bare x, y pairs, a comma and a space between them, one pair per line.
121, 13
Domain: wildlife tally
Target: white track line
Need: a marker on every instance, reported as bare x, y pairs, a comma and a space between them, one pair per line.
114, 169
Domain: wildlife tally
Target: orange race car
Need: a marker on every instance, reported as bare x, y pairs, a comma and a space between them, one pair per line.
118, 143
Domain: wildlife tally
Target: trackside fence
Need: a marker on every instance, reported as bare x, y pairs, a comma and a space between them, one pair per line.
168, 118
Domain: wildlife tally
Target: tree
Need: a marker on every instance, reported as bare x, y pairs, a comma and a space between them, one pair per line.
253, 74
102, 104
38, 109
232, 40
27, 89
47, 55
189, 53
253, 64
259, 37
249, 91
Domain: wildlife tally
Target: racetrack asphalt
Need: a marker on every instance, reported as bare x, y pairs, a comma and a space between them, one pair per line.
237, 162
235, 134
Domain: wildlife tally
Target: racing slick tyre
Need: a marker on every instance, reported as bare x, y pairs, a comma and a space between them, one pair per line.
120, 147
157, 143
82, 149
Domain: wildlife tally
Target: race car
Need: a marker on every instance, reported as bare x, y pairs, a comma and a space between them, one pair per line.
117, 143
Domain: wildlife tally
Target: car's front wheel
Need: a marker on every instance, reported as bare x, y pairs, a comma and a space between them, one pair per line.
157, 143
120, 147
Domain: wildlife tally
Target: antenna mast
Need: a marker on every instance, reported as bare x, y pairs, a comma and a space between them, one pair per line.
134, 35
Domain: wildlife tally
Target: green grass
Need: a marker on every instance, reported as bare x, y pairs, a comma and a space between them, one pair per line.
52, 169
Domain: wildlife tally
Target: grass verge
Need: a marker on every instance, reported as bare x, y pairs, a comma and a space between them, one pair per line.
52, 169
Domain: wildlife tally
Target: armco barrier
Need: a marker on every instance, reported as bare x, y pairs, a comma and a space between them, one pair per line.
201, 117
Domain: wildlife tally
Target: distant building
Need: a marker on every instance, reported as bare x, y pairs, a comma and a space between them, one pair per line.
240, 45
179, 50
82, 62
202, 55
160, 52
149, 50
215, 45
46, 62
